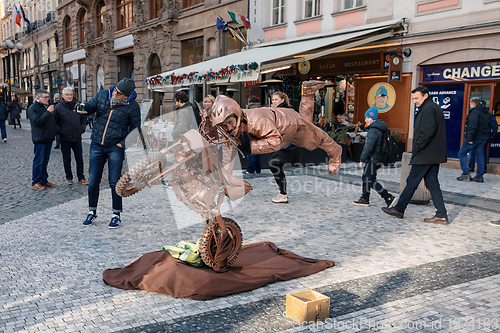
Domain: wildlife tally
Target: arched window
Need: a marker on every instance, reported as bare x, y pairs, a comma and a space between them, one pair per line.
124, 14
101, 9
67, 32
154, 8
81, 30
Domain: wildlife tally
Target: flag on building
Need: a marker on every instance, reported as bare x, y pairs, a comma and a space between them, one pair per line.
24, 15
221, 24
16, 16
231, 32
240, 19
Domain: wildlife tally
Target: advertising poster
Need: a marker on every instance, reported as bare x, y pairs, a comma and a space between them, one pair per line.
450, 97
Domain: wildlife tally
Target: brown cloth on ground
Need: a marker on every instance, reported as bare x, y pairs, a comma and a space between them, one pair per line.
257, 265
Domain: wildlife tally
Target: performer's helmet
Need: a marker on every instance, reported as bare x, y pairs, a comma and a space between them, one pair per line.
223, 108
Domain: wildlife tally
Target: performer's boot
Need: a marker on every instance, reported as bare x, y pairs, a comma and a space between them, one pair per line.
306, 107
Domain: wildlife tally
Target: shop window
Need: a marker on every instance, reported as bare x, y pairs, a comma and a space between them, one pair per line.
67, 32
81, 29
189, 3
154, 8
278, 12
351, 4
311, 8
124, 14
192, 51
101, 9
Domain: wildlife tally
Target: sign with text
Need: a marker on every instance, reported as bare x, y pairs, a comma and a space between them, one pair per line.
450, 97
348, 64
468, 72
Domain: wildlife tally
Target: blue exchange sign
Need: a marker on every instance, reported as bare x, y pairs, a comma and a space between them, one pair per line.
453, 73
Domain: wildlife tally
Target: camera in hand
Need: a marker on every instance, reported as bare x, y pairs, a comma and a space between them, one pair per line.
81, 107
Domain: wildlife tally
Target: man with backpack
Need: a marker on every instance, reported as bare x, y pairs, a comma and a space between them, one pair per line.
372, 158
429, 150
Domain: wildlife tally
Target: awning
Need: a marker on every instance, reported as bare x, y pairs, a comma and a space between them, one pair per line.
20, 92
247, 64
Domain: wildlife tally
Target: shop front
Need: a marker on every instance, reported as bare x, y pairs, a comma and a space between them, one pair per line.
452, 86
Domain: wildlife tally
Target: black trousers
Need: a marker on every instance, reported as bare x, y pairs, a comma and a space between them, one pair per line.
369, 179
277, 162
429, 173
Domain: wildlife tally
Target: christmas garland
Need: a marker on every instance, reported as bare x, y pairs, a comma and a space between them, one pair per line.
196, 77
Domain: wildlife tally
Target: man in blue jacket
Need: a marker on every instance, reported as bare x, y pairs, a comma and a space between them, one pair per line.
371, 159
43, 133
117, 114
429, 150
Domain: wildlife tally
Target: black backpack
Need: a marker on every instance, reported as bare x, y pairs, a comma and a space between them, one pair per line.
389, 149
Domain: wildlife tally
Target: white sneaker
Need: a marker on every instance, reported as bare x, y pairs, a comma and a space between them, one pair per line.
4, 140
280, 198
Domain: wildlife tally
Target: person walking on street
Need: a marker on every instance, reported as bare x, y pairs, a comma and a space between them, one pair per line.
15, 112
371, 159
72, 125
278, 159
429, 150
493, 130
43, 131
476, 133
117, 115
4, 112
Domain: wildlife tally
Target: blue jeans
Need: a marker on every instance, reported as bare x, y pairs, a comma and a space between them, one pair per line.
2, 128
254, 163
40, 162
369, 179
99, 155
472, 157
429, 173
66, 148
478, 147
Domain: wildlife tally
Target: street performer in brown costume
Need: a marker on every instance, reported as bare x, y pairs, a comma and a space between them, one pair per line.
268, 129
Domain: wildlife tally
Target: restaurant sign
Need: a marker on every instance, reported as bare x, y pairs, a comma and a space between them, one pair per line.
458, 73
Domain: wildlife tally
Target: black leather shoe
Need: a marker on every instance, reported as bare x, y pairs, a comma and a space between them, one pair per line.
392, 211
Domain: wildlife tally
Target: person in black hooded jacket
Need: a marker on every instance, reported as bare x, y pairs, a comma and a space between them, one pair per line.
476, 135
371, 159
72, 126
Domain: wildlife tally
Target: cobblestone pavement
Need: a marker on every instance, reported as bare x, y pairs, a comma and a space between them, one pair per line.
390, 274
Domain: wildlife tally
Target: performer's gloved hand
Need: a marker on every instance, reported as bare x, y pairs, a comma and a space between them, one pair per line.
244, 145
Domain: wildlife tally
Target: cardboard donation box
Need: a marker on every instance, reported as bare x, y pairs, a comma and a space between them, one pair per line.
307, 306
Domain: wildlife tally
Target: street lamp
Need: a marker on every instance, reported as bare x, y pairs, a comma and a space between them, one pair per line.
9, 45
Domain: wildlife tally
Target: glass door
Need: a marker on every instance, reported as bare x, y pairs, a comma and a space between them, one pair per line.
485, 93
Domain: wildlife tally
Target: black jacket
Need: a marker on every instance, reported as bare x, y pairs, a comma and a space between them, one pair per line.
43, 124
476, 124
113, 127
429, 135
372, 151
3, 112
493, 125
72, 124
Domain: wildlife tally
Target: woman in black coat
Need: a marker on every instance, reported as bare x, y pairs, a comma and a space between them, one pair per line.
15, 113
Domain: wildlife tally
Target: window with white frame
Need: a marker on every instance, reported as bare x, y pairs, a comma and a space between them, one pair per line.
278, 12
351, 4
311, 8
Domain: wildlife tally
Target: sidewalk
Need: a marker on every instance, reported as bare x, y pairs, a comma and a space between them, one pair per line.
390, 274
